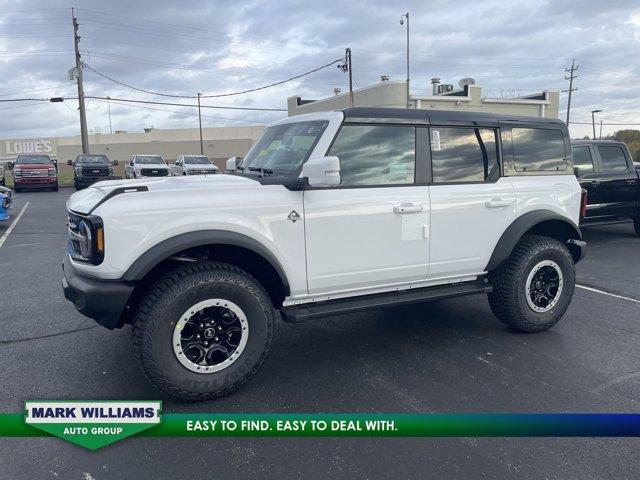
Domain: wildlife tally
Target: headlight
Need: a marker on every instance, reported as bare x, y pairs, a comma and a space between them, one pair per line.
78, 171
110, 170
16, 171
52, 172
86, 239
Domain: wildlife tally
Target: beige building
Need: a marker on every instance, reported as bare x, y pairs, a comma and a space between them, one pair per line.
219, 144
469, 97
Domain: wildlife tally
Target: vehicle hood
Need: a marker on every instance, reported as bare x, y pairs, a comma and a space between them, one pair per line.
85, 200
203, 166
34, 166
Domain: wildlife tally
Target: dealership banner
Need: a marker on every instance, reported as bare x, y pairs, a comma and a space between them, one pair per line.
94, 424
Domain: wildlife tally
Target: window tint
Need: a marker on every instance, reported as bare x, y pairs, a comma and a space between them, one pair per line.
612, 159
463, 154
375, 154
538, 150
582, 160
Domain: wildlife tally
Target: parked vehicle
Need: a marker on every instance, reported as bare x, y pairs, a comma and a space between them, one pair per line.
330, 213
3, 181
34, 171
88, 169
141, 166
193, 165
606, 171
5, 203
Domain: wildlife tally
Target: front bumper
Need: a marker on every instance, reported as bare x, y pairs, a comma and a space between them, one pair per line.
26, 182
85, 181
101, 300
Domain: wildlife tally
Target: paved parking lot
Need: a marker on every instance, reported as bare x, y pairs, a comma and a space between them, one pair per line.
448, 356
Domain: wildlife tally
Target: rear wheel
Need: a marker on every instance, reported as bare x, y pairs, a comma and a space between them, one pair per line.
534, 287
202, 331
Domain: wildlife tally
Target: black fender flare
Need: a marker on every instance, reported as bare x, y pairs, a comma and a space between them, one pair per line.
184, 241
567, 230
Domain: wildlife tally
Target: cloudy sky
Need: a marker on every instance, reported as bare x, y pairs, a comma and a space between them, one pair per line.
186, 46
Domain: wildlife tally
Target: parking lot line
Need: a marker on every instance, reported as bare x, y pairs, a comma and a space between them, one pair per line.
591, 289
15, 222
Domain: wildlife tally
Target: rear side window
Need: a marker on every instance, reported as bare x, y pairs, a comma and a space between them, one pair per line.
613, 159
461, 155
538, 150
582, 160
376, 154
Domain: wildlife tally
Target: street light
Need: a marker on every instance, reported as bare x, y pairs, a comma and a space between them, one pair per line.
593, 121
402, 17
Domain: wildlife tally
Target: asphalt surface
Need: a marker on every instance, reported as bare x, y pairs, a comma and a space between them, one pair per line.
448, 356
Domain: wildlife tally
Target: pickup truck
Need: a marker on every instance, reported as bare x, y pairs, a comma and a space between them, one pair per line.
329, 213
607, 172
142, 166
34, 171
193, 165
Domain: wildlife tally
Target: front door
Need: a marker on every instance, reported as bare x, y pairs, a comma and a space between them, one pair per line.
619, 182
372, 230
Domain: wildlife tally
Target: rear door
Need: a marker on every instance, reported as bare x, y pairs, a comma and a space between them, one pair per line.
619, 181
471, 203
372, 230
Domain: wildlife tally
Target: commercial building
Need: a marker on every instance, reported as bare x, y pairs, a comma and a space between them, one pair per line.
219, 144
437, 96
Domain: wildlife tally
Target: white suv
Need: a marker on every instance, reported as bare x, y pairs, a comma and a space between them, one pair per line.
328, 213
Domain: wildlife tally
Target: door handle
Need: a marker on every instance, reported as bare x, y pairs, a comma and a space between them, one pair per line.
497, 203
408, 208
631, 182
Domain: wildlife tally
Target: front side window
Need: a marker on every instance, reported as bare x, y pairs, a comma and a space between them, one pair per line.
376, 154
463, 154
33, 159
613, 159
538, 150
282, 149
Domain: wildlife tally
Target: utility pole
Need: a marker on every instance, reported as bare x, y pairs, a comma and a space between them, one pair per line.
83, 114
406, 15
109, 107
600, 129
571, 76
350, 68
200, 124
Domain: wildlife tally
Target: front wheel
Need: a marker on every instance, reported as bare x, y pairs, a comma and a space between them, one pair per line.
534, 287
203, 330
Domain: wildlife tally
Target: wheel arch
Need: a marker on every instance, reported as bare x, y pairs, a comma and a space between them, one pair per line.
225, 246
539, 222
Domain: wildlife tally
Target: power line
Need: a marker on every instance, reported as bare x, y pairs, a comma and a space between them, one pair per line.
229, 94
150, 102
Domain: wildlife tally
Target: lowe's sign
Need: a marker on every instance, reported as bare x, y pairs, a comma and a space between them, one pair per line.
28, 146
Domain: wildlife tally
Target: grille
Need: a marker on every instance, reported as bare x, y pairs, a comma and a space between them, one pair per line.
154, 172
95, 171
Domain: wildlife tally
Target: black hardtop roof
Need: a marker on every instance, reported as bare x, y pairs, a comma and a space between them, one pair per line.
439, 116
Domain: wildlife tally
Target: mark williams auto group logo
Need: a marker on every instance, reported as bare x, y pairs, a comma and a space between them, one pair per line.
92, 424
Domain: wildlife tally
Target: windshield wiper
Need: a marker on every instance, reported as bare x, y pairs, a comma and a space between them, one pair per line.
263, 171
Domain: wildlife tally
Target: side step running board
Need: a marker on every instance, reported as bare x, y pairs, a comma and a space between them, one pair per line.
309, 311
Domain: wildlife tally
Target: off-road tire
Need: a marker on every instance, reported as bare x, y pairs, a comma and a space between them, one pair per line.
508, 299
636, 225
169, 298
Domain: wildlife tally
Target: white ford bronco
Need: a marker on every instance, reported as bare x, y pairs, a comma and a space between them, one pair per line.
328, 213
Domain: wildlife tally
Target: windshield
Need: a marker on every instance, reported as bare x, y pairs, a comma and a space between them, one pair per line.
197, 160
102, 159
146, 159
284, 148
33, 159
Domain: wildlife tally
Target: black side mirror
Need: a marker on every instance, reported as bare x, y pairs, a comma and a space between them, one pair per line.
115, 162
70, 162
576, 172
10, 165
